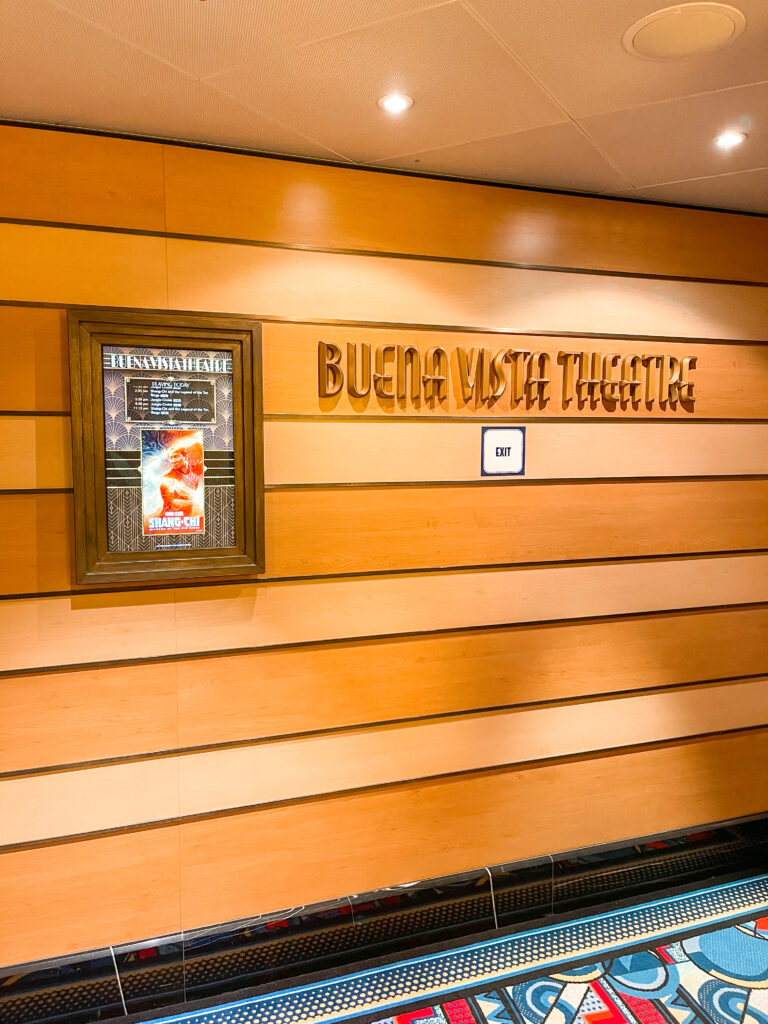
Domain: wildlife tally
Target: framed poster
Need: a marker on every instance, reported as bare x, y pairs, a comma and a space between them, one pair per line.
167, 446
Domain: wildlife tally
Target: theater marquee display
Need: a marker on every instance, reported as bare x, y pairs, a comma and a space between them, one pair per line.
168, 463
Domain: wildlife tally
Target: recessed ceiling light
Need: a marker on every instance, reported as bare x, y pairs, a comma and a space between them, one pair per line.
685, 30
395, 102
730, 140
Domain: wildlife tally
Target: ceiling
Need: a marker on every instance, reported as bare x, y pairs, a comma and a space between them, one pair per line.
534, 92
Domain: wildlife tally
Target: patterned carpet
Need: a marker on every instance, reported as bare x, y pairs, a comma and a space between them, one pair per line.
695, 958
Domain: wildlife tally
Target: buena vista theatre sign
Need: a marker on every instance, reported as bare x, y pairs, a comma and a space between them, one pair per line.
505, 377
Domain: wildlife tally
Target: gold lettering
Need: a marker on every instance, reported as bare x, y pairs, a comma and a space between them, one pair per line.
669, 378
630, 387
353, 386
435, 374
381, 379
330, 377
610, 386
408, 356
651, 378
568, 362
497, 382
470, 363
588, 385
516, 359
686, 387
539, 381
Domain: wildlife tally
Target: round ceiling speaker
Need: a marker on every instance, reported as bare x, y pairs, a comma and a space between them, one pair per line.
685, 30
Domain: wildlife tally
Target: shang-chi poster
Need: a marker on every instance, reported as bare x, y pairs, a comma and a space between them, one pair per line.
172, 482
169, 439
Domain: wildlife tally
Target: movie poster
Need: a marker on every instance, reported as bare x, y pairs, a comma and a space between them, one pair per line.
169, 439
172, 482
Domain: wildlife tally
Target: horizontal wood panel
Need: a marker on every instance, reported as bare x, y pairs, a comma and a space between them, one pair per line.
309, 452
439, 827
81, 179
730, 381
73, 266
35, 451
33, 347
68, 266
60, 717
87, 714
88, 628
76, 896
319, 532
220, 277
237, 196
70, 803
404, 528
66, 177
239, 696
112, 889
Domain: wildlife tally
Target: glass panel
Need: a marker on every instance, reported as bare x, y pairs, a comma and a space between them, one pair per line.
151, 972
267, 948
523, 891
595, 877
69, 990
421, 913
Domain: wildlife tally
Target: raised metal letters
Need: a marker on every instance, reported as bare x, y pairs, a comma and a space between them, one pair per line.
507, 377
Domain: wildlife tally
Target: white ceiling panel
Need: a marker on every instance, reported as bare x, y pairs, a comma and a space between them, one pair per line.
54, 68
194, 112
205, 37
532, 92
466, 86
557, 156
743, 190
672, 141
574, 47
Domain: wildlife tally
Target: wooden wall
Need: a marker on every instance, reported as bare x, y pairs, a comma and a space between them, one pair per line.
436, 672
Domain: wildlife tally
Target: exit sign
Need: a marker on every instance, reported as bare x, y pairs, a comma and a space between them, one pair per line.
503, 451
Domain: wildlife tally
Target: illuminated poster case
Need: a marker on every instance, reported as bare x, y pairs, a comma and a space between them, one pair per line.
167, 446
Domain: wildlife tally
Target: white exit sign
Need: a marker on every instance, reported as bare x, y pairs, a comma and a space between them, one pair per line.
503, 451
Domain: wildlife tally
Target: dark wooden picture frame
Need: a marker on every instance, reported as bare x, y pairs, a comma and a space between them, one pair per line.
89, 331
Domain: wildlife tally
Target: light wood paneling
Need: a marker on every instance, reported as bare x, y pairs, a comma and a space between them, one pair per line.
87, 628
36, 542
319, 532
73, 802
220, 277
69, 266
36, 451
74, 896
62, 717
61, 176
236, 196
404, 528
113, 889
241, 696
730, 381
43, 632
438, 827
309, 452
81, 179
369, 757
33, 344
